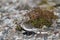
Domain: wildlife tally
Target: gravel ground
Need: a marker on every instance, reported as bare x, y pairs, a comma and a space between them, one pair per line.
12, 11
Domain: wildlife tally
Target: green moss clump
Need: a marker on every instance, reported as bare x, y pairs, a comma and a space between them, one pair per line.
43, 2
39, 22
39, 18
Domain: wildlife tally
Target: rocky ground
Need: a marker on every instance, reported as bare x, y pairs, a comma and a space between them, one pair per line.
12, 11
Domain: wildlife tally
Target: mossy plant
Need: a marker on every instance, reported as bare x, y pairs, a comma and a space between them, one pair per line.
38, 23
43, 2
39, 18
